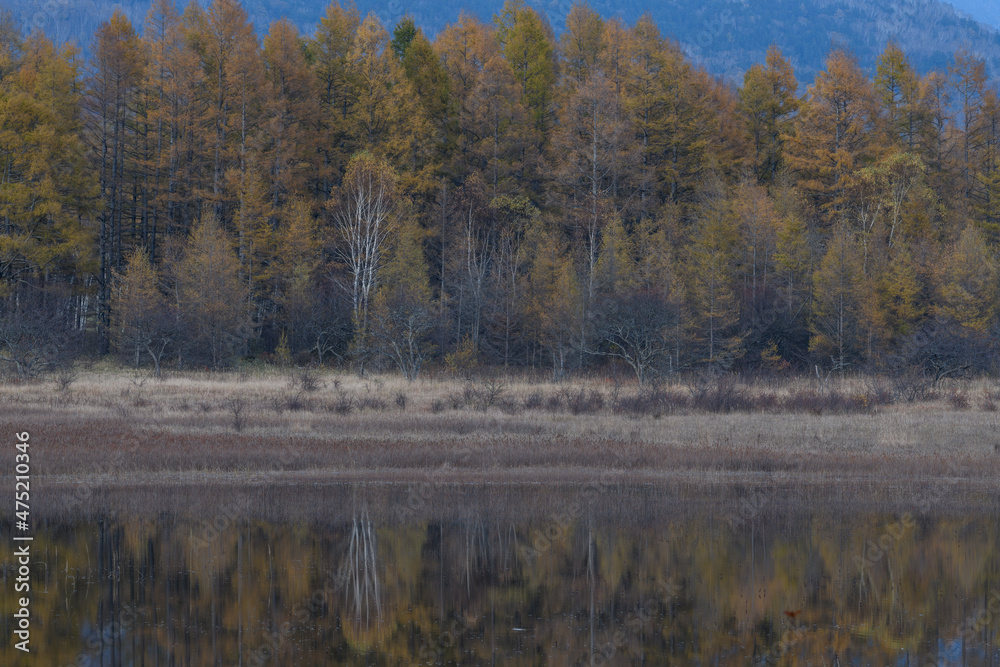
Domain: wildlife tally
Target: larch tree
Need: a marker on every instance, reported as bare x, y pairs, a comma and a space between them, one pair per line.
297, 260
767, 104
111, 103
898, 304
290, 114
836, 132
838, 302
528, 45
47, 191
499, 141
936, 139
581, 46
234, 75
968, 289
897, 87
387, 118
968, 73
432, 86
330, 53
211, 299
552, 302
591, 153
402, 313
711, 270
162, 100
141, 319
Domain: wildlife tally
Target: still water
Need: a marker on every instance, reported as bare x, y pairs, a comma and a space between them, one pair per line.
529, 576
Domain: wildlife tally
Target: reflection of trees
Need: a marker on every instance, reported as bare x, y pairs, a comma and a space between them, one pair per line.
362, 589
490, 553
460, 587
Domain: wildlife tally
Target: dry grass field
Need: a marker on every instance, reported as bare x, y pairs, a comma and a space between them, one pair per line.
118, 428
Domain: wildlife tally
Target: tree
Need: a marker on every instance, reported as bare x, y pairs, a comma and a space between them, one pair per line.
837, 308
403, 36
330, 53
969, 75
37, 330
553, 301
935, 141
499, 140
290, 114
899, 296
638, 329
387, 119
836, 133
767, 103
897, 87
141, 319
432, 87
581, 44
527, 44
591, 156
507, 309
112, 101
714, 304
47, 192
211, 299
297, 260
234, 74
366, 219
969, 290
673, 110
401, 313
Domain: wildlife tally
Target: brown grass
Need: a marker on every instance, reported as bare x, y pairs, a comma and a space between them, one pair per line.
118, 428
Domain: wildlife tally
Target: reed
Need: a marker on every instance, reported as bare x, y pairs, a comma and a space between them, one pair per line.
118, 428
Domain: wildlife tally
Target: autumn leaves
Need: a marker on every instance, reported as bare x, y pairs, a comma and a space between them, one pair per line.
549, 200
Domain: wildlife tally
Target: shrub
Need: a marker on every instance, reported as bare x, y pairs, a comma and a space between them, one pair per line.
585, 402
534, 401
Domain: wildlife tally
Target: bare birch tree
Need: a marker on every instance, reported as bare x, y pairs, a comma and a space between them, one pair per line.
365, 220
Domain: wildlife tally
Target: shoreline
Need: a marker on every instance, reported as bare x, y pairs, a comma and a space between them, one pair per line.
114, 429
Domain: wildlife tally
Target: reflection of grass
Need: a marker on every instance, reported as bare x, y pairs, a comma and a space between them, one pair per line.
213, 424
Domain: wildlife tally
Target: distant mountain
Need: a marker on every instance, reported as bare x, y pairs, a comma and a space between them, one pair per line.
984, 11
726, 36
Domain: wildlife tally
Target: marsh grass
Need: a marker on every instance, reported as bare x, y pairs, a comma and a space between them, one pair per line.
503, 429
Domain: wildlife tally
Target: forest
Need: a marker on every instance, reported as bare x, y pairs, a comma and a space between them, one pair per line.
499, 197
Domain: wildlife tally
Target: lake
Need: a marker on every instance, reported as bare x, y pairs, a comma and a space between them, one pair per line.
601, 574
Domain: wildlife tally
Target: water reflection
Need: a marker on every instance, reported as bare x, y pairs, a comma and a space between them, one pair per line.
696, 583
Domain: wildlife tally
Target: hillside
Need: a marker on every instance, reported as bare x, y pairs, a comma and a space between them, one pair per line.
984, 11
725, 36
